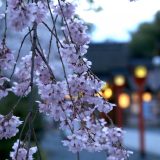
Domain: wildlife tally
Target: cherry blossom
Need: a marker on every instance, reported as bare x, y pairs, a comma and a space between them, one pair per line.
6, 57
8, 126
6, 63
72, 101
21, 15
3, 89
41, 12
2, 15
21, 87
77, 32
21, 154
66, 9
97, 138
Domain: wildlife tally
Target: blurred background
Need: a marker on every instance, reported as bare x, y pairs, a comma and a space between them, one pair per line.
125, 53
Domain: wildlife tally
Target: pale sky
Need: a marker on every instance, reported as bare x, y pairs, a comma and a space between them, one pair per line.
118, 17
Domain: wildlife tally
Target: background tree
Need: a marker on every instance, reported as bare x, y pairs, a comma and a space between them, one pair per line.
145, 42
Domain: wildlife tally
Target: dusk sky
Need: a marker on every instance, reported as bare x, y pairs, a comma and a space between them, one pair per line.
118, 17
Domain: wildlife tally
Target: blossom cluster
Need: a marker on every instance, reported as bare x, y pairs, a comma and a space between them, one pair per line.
6, 63
3, 89
8, 126
20, 151
65, 8
22, 86
2, 15
74, 101
99, 138
6, 57
22, 14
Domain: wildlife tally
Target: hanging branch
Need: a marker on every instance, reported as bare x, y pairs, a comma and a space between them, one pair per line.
72, 101
31, 102
19, 51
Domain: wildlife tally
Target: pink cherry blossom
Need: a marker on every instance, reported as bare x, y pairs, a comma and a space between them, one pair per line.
73, 100
8, 126
22, 151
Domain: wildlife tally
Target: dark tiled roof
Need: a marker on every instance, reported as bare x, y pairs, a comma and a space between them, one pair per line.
108, 56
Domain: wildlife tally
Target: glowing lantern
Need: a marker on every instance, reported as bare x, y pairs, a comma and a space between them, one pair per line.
119, 80
124, 100
147, 97
108, 93
140, 72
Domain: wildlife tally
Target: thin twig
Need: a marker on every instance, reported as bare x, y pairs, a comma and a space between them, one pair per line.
19, 100
45, 61
54, 21
52, 33
5, 24
50, 46
33, 49
78, 156
35, 137
19, 53
65, 20
20, 136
